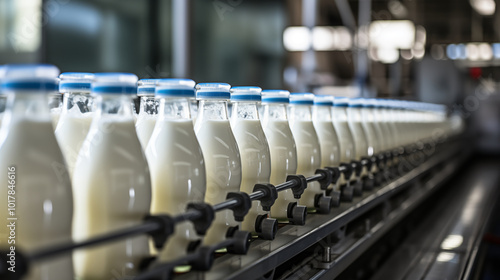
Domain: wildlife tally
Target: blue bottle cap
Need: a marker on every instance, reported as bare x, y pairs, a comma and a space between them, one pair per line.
175, 88
246, 94
301, 98
275, 96
323, 100
30, 77
75, 82
114, 83
213, 91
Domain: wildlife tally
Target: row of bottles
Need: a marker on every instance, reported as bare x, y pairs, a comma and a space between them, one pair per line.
105, 167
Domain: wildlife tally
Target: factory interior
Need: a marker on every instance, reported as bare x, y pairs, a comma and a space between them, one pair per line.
389, 169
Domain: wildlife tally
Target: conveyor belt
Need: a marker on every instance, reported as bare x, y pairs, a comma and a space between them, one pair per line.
358, 225
445, 244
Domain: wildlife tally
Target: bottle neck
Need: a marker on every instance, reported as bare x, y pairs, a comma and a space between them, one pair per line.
3, 103
322, 113
339, 114
212, 110
27, 105
299, 113
193, 107
55, 100
148, 105
174, 109
367, 114
80, 100
275, 111
353, 114
113, 105
245, 111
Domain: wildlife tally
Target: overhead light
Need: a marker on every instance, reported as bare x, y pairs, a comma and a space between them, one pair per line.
323, 38
418, 53
297, 38
472, 52
484, 7
344, 38
331, 38
437, 52
496, 50
452, 51
388, 55
461, 51
407, 54
372, 53
485, 51
392, 34
420, 35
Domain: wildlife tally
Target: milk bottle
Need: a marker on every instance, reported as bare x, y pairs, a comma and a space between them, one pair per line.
3, 98
328, 140
3, 103
176, 162
222, 157
76, 115
34, 174
283, 150
193, 107
55, 105
347, 145
367, 122
363, 147
387, 118
111, 182
253, 147
373, 134
148, 110
308, 147
379, 121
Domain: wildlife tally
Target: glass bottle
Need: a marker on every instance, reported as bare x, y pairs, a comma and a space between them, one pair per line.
76, 115
148, 110
308, 149
34, 173
176, 162
222, 157
254, 150
328, 139
283, 153
111, 182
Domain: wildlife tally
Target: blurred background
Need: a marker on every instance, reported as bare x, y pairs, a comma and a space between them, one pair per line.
443, 51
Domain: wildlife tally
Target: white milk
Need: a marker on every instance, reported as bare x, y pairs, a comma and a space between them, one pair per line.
144, 126
177, 176
255, 162
283, 163
223, 169
71, 131
361, 145
308, 157
112, 188
329, 143
347, 147
360, 142
55, 114
44, 203
328, 140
